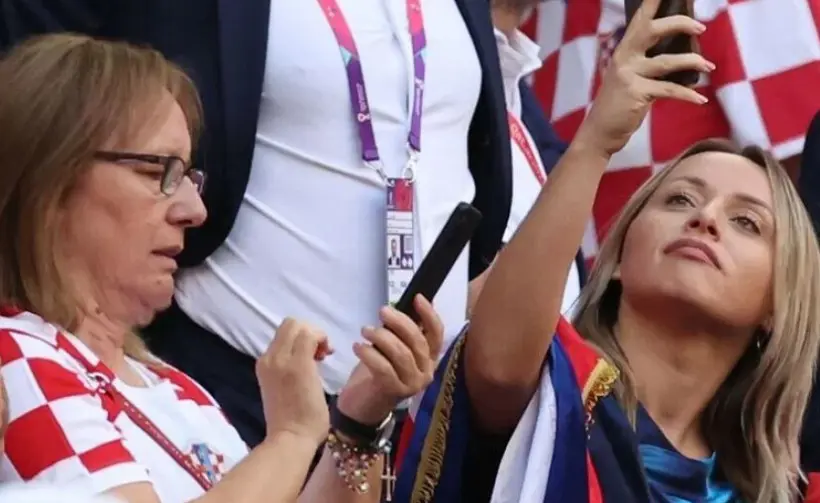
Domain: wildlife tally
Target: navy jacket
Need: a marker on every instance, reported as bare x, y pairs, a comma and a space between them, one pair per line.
222, 45
809, 187
809, 183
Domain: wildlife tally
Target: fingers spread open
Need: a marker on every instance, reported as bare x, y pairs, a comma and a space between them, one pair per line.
654, 89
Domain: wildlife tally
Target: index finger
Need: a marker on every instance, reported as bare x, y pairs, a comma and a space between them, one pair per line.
638, 31
309, 343
432, 324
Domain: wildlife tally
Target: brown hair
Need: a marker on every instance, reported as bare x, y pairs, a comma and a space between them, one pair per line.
754, 420
62, 98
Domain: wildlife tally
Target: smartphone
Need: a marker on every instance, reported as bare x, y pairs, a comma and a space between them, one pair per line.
676, 44
437, 264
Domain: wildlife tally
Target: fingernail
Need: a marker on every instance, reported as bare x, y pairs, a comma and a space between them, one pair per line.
703, 99
711, 66
701, 27
367, 330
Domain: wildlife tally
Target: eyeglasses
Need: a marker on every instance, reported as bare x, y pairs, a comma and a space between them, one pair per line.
175, 169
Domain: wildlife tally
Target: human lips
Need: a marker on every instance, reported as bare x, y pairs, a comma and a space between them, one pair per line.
168, 254
693, 249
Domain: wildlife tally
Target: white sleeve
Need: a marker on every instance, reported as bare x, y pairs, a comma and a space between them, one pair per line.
59, 433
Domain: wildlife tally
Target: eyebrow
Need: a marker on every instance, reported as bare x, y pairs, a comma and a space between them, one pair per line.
701, 184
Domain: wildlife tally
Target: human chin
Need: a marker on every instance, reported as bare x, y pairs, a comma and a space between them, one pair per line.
663, 287
154, 295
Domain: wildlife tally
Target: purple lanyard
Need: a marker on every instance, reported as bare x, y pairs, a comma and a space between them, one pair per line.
356, 85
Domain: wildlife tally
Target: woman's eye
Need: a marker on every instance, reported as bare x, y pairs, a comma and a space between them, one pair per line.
747, 224
678, 200
151, 172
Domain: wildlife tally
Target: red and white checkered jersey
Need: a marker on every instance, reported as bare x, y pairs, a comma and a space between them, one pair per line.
43, 493
764, 90
60, 432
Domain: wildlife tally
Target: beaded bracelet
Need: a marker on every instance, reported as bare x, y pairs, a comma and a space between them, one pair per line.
353, 462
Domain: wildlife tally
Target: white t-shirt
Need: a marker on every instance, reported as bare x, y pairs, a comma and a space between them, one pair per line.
308, 241
519, 57
64, 432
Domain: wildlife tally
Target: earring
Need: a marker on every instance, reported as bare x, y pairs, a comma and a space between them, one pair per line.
762, 338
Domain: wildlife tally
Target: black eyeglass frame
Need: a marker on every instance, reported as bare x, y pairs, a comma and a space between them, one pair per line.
175, 169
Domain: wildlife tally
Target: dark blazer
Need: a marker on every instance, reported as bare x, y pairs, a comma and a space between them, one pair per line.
550, 146
222, 45
809, 182
809, 187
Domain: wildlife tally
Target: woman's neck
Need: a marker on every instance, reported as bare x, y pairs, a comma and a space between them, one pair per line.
100, 329
677, 370
106, 338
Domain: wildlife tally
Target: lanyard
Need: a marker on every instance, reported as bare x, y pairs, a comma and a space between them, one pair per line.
104, 377
358, 92
520, 139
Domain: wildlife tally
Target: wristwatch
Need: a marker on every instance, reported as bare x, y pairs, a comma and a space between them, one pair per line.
368, 436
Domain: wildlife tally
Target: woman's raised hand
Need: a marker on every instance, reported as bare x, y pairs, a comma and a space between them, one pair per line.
631, 84
397, 362
290, 385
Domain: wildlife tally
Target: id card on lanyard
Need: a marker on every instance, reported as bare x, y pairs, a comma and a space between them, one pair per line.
399, 198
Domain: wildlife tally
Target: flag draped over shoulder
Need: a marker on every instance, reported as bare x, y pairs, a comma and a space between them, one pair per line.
556, 454
764, 90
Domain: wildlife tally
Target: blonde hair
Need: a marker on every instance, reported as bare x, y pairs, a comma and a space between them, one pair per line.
63, 98
754, 420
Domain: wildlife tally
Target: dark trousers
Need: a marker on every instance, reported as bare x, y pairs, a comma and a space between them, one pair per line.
227, 374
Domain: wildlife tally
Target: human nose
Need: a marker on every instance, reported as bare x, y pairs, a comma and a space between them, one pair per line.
188, 209
705, 220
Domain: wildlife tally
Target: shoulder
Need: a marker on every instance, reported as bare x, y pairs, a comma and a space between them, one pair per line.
51, 393
27, 340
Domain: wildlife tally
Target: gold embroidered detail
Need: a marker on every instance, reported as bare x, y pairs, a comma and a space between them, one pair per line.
435, 443
598, 385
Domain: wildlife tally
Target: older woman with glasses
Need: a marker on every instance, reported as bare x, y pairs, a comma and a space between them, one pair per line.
174, 168
96, 191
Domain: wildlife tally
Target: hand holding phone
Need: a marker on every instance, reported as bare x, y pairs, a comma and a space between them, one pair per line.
435, 267
677, 44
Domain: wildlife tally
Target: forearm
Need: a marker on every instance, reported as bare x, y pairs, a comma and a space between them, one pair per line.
327, 486
273, 473
518, 309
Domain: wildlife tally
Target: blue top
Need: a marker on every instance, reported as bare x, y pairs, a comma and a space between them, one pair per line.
674, 478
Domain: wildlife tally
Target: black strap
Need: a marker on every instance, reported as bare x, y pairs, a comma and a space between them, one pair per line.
349, 427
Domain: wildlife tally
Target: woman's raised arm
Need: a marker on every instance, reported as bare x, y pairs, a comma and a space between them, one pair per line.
519, 307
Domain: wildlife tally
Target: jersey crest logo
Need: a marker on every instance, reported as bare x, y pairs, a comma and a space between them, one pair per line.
208, 462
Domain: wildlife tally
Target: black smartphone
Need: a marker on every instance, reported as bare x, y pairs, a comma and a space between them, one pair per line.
676, 44
436, 265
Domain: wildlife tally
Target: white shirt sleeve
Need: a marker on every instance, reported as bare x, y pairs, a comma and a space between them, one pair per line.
59, 431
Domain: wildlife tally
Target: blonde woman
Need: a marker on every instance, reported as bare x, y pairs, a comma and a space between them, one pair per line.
694, 342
